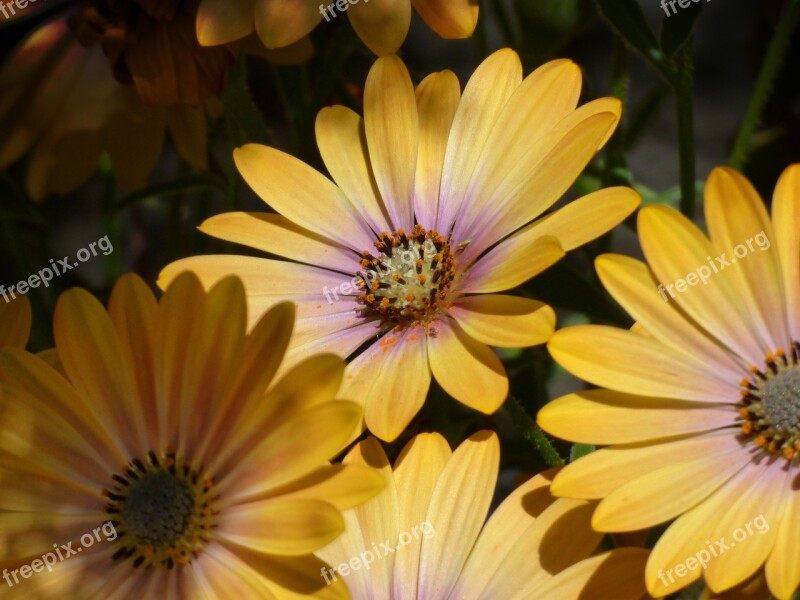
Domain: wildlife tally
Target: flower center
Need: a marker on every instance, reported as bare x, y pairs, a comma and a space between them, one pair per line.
164, 512
771, 404
408, 280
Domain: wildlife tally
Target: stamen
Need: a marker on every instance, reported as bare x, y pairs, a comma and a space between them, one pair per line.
165, 516
410, 285
770, 404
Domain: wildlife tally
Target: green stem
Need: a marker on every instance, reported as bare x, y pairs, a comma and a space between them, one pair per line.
683, 86
533, 433
769, 70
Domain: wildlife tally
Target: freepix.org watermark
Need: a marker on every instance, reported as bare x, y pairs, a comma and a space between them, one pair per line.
704, 272
62, 552
11, 7
714, 549
341, 6
670, 4
56, 268
378, 552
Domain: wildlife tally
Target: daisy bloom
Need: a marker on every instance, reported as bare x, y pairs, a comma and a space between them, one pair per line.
381, 24
435, 209
700, 403
62, 108
165, 462
426, 535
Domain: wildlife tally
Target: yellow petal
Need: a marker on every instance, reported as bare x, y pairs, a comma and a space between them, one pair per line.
739, 224
343, 486
285, 454
557, 165
437, 101
783, 568
381, 379
674, 248
630, 363
391, 124
466, 369
278, 235
222, 22
279, 23
417, 470
15, 321
607, 417
377, 518
615, 574
289, 527
449, 18
457, 512
600, 473
511, 263
343, 146
587, 218
542, 99
785, 216
302, 195
286, 577
505, 321
92, 355
633, 285
483, 99
381, 24
665, 493
690, 534
750, 525
133, 309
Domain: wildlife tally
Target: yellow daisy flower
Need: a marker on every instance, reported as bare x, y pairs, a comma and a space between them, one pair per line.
426, 535
381, 24
61, 106
164, 466
434, 211
702, 410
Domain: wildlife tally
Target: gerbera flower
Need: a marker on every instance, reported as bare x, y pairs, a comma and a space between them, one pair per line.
60, 104
163, 467
433, 215
381, 24
702, 409
426, 536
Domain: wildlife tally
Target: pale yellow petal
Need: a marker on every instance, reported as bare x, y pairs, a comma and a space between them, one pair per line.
381, 24
484, 97
343, 146
302, 195
631, 363
222, 21
391, 124
608, 417
785, 216
466, 369
739, 224
449, 18
470, 475
504, 321
437, 101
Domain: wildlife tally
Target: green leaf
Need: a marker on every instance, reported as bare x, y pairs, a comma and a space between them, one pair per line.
244, 120
677, 28
579, 450
627, 18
